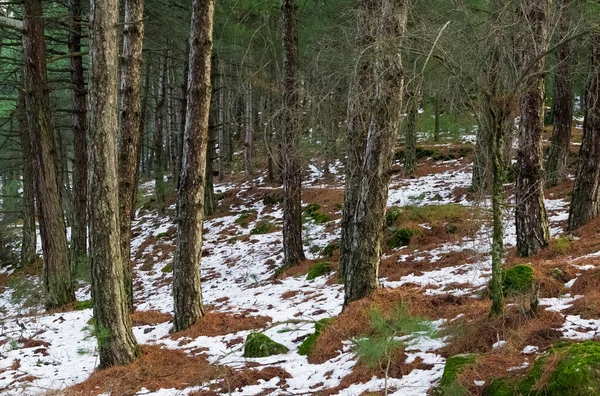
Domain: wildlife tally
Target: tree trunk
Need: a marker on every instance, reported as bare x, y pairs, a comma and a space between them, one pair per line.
57, 272
436, 111
249, 129
384, 20
158, 139
183, 109
131, 131
585, 202
222, 143
410, 130
79, 230
29, 239
533, 233
556, 166
293, 251
116, 342
187, 291
209, 186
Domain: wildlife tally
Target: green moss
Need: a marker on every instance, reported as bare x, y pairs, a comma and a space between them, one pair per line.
312, 212
167, 268
162, 235
259, 345
320, 218
244, 219
500, 388
319, 269
262, 227
449, 385
308, 345
517, 280
329, 249
312, 208
400, 237
392, 215
85, 304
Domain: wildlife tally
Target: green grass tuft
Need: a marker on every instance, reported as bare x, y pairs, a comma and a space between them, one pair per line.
319, 269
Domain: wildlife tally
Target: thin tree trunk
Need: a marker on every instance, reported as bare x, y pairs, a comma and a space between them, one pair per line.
79, 233
158, 139
57, 272
183, 109
28, 242
130, 138
361, 251
116, 342
436, 111
585, 202
187, 291
293, 251
410, 131
533, 233
249, 130
556, 166
172, 116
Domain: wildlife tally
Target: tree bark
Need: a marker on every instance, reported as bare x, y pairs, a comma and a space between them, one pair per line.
385, 20
79, 231
533, 233
29, 239
57, 272
291, 170
116, 342
159, 116
556, 166
249, 129
584, 202
410, 130
131, 131
187, 291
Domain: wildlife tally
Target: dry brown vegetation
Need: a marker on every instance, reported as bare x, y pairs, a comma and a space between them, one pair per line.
149, 318
221, 323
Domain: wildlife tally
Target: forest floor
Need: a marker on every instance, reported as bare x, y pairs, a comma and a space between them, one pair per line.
441, 275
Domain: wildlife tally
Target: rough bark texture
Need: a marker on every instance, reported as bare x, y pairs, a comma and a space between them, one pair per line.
386, 19
57, 272
293, 252
482, 165
556, 166
585, 202
131, 129
187, 290
410, 131
28, 241
209, 185
159, 116
533, 233
116, 343
79, 234
249, 130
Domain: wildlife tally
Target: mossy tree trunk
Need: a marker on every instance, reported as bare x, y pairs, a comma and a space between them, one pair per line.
187, 290
290, 139
57, 271
556, 165
384, 21
585, 202
533, 233
132, 125
79, 230
116, 342
28, 241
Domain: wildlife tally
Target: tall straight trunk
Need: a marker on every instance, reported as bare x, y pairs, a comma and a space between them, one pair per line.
249, 130
116, 342
79, 230
584, 202
159, 116
410, 130
28, 241
556, 165
221, 128
183, 110
436, 112
482, 165
293, 252
187, 291
533, 233
172, 119
131, 131
386, 20
209, 186
57, 271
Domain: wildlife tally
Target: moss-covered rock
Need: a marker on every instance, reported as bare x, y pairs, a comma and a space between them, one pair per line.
308, 345
518, 280
449, 385
577, 373
259, 345
318, 269
262, 227
85, 304
400, 237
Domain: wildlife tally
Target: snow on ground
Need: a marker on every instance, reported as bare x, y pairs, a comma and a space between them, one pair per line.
236, 268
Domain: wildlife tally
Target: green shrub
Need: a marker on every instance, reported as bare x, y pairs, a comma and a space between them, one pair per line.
244, 219
312, 212
517, 280
319, 269
400, 237
85, 304
262, 227
392, 215
259, 345
329, 249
